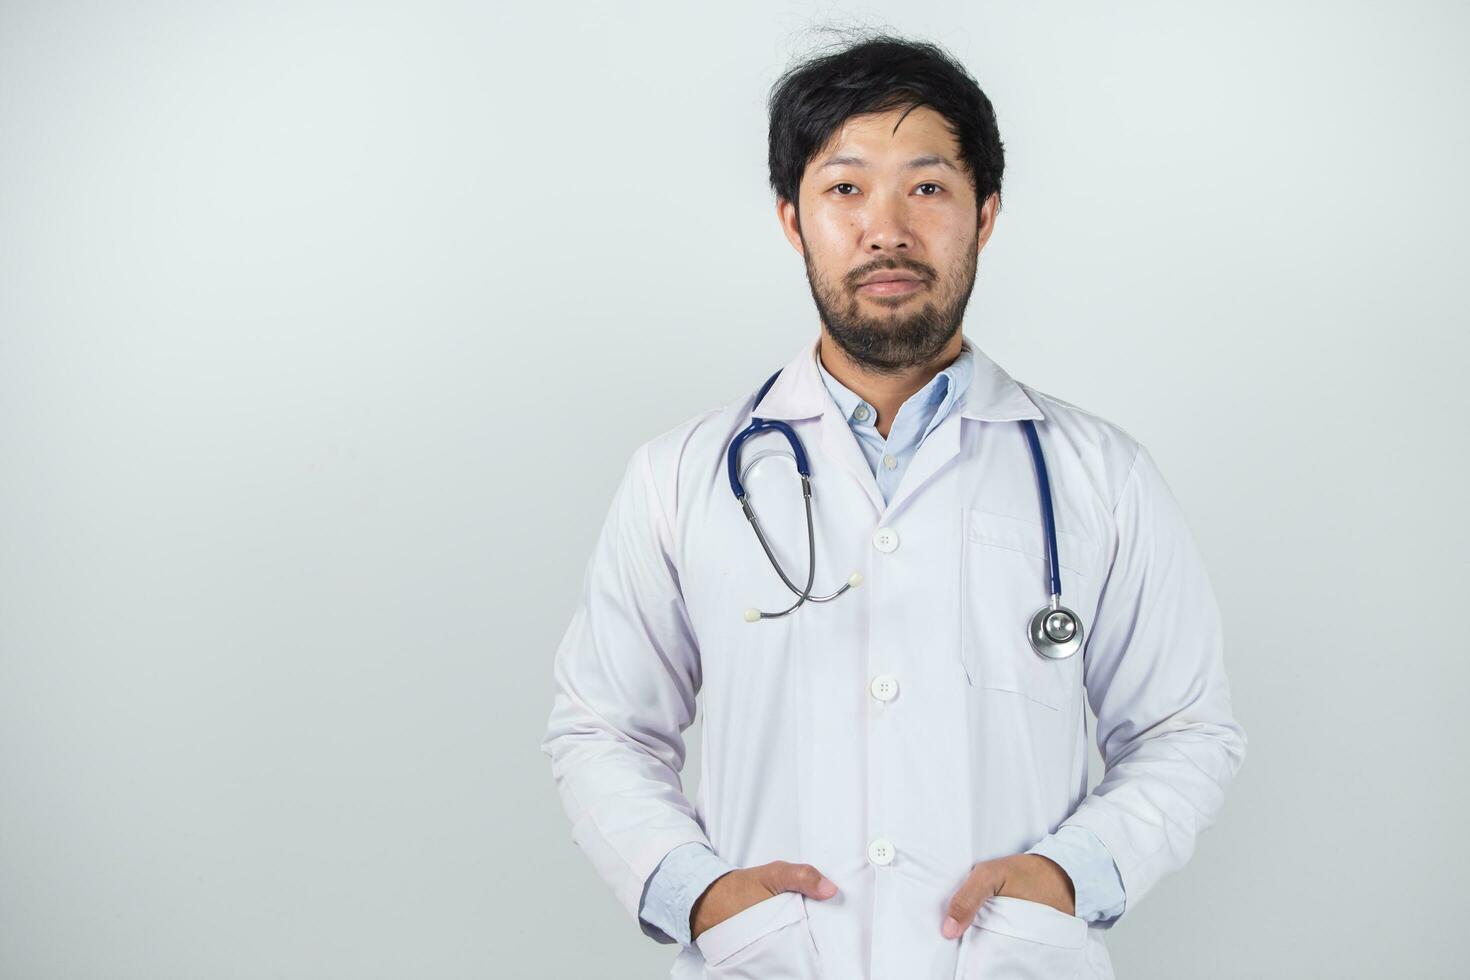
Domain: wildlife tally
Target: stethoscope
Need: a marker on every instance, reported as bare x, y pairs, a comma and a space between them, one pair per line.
1054, 632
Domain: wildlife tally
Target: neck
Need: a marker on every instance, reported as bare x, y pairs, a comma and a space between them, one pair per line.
885, 392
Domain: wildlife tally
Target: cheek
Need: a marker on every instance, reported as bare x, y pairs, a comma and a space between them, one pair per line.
829, 231
829, 246
959, 251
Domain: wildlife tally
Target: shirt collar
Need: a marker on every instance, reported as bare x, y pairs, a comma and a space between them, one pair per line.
992, 395
945, 388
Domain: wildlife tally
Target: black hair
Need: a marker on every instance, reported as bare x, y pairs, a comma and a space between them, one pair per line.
812, 99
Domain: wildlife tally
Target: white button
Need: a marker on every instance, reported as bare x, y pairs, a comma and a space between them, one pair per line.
889, 462
880, 852
885, 539
884, 687
860, 413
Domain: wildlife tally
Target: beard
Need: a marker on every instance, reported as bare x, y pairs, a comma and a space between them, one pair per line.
916, 327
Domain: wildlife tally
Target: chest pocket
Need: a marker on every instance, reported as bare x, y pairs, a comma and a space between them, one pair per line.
1004, 580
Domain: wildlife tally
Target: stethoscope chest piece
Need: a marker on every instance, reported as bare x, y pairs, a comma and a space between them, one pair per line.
1055, 632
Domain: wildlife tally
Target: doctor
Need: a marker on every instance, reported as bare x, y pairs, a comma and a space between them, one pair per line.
894, 781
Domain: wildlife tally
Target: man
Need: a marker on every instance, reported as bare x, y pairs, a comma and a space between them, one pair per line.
894, 781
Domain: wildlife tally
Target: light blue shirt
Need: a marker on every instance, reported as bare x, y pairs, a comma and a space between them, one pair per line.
689, 869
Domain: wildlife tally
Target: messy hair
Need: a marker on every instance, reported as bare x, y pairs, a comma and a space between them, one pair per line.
812, 99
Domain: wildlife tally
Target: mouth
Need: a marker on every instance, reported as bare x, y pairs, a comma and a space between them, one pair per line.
891, 287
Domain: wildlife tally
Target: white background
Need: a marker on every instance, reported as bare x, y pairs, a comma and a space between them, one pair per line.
325, 332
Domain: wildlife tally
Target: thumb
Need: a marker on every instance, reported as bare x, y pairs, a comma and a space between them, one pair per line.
983, 881
806, 879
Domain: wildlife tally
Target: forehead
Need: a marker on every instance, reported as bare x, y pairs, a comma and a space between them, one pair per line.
880, 139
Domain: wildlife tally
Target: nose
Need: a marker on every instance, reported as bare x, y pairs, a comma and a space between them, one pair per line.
888, 228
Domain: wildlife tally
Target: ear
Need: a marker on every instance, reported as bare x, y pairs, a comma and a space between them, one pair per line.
790, 224
986, 221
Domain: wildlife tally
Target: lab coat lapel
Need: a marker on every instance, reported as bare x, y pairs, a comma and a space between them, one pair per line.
840, 446
934, 453
993, 396
799, 395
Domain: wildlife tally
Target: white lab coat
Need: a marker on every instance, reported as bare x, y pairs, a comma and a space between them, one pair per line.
809, 756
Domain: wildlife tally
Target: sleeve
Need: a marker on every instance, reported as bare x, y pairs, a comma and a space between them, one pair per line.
676, 885
1095, 880
625, 679
1155, 677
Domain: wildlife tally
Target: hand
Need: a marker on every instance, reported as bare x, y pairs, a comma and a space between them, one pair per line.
735, 891
1029, 876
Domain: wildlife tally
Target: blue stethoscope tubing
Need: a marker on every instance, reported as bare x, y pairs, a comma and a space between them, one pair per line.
1054, 632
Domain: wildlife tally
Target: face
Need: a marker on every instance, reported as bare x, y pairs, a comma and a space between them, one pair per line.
893, 204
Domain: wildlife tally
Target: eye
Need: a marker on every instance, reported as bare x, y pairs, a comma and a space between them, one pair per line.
930, 183
844, 184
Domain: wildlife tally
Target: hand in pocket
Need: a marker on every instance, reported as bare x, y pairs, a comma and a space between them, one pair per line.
1026, 876
735, 891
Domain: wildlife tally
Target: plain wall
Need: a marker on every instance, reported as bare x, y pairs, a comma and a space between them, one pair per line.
326, 330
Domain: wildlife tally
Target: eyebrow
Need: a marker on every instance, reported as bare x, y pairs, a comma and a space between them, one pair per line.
932, 160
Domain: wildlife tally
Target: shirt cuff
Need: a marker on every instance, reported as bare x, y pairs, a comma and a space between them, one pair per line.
1095, 878
676, 884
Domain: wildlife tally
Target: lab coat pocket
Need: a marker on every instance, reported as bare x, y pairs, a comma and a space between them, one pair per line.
1017, 939
1004, 579
771, 940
